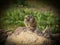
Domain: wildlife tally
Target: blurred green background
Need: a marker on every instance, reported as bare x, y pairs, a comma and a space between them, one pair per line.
44, 14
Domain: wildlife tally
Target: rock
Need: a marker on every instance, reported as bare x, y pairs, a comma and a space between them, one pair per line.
19, 30
26, 37
38, 32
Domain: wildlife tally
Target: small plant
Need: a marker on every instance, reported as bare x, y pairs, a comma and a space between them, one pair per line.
15, 16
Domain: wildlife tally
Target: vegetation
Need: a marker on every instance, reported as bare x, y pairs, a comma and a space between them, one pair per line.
14, 17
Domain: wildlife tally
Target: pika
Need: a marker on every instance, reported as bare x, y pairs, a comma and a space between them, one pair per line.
30, 22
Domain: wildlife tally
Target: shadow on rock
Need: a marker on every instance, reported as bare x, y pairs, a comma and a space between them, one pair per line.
3, 36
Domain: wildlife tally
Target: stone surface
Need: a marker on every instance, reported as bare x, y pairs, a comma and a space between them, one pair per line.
26, 37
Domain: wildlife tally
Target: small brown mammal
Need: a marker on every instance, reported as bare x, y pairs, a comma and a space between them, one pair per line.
30, 22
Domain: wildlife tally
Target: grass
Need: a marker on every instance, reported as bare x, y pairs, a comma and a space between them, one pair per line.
14, 17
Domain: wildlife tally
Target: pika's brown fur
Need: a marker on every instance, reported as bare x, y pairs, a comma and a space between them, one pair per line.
30, 22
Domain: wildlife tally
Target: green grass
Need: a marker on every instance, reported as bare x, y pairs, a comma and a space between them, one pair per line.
14, 17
